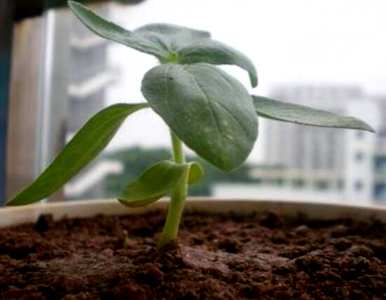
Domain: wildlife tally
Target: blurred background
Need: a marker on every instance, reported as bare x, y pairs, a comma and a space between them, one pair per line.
326, 54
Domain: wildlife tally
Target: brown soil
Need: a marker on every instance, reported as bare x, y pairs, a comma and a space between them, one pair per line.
218, 257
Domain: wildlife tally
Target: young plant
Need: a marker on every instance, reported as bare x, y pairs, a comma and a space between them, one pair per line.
205, 108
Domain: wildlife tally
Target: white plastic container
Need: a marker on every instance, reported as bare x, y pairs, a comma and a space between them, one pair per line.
16, 215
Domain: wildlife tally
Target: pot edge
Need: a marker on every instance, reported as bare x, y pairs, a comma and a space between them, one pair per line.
10, 216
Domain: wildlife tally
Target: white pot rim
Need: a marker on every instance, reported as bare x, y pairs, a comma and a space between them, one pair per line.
10, 216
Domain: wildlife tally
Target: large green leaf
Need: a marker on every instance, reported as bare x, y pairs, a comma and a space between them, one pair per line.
206, 108
214, 52
171, 37
167, 42
111, 31
157, 181
299, 114
84, 147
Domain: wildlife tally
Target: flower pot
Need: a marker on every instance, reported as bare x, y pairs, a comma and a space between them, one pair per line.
10, 216
307, 258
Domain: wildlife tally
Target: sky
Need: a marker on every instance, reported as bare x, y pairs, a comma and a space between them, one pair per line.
297, 41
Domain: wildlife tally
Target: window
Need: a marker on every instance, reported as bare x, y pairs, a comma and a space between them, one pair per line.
359, 156
358, 185
340, 184
299, 183
321, 185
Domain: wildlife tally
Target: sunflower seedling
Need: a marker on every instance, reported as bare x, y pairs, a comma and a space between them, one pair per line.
205, 108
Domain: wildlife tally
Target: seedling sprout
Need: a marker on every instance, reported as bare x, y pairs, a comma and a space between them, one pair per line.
205, 108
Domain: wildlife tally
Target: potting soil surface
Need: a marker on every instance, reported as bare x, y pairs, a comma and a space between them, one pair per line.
228, 256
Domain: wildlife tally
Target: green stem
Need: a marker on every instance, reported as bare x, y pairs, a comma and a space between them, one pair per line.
177, 200
178, 152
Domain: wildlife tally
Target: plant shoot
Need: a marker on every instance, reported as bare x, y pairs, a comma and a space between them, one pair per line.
205, 108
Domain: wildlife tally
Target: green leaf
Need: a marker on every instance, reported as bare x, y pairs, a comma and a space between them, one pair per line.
160, 40
157, 181
196, 172
210, 111
299, 114
88, 142
214, 52
113, 32
171, 37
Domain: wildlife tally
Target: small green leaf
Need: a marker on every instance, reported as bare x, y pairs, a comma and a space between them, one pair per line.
157, 181
171, 37
210, 111
84, 147
299, 114
153, 184
113, 32
214, 52
196, 172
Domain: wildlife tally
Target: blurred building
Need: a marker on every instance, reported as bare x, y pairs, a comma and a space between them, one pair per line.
380, 153
60, 75
323, 159
77, 78
90, 73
